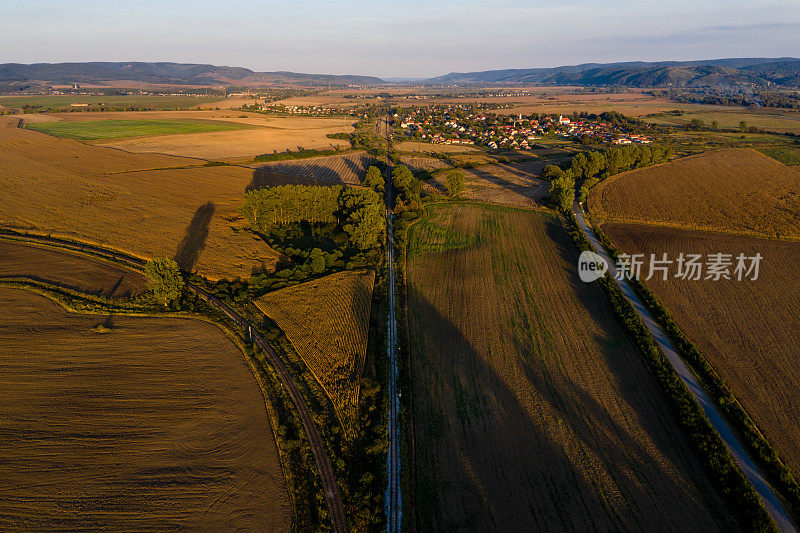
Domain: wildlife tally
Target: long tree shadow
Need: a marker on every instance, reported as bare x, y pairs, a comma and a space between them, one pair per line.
546, 454
194, 240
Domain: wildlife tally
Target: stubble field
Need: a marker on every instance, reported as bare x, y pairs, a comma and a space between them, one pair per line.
532, 409
746, 329
140, 203
736, 190
347, 168
156, 425
327, 322
515, 185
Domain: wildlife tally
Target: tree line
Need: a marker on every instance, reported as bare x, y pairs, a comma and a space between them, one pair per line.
358, 211
593, 167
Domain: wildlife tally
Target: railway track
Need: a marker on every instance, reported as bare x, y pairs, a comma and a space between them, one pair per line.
332, 495
393, 497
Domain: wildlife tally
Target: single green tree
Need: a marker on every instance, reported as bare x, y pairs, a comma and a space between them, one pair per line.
743, 126
454, 181
552, 172
164, 278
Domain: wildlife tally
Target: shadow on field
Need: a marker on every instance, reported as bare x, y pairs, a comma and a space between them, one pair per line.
477, 448
265, 177
194, 240
489, 448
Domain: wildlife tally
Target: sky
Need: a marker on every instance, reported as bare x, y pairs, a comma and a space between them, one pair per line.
407, 38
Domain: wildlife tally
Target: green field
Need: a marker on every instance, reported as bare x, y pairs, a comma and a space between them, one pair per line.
91, 130
139, 101
772, 120
788, 155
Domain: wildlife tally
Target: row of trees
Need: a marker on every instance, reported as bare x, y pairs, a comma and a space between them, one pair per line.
358, 211
596, 166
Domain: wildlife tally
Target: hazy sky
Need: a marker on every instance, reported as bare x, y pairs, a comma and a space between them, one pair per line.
391, 39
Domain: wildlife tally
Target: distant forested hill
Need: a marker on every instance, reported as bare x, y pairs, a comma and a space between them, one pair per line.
734, 72
164, 74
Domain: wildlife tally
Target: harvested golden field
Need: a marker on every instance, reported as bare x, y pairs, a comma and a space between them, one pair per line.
108, 196
413, 146
347, 168
532, 409
736, 190
327, 322
746, 329
156, 425
423, 162
68, 269
277, 134
515, 185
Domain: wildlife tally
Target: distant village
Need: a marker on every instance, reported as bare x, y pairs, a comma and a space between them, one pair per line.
463, 125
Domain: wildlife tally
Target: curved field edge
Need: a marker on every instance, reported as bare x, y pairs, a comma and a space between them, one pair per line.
718, 370
602, 498
121, 325
733, 190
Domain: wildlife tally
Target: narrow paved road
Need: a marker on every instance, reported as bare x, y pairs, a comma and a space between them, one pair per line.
393, 499
332, 495
749, 468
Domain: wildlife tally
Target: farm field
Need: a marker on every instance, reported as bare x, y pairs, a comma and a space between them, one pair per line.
156, 425
111, 129
278, 134
67, 269
746, 329
97, 101
781, 121
515, 185
788, 155
119, 199
532, 409
735, 190
327, 322
347, 168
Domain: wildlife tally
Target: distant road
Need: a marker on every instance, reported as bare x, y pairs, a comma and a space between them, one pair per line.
747, 465
332, 495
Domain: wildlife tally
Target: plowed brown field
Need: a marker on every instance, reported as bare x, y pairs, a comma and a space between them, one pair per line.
748, 330
156, 425
532, 409
737, 190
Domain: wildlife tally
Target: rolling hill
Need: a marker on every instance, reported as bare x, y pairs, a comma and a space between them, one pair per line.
165, 74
